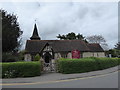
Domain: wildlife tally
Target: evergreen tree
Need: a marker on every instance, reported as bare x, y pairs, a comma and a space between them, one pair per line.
72, 36
117, 46
10, 32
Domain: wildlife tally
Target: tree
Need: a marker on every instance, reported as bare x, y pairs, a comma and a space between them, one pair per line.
98, 39
113, 52
80, 36
10, 32
116, 51
117, 46
61, 37
72, 36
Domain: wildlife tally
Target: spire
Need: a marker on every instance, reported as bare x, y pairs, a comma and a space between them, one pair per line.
35, 35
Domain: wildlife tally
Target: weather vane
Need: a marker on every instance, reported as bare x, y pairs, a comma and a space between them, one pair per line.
35, 20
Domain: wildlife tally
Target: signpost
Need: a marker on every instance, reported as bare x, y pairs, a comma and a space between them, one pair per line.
75, 54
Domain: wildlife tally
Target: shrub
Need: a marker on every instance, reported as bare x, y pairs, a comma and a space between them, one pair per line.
20, 69
21, 55
0, 70
107, 62
85, 64
8, 57
37, 57
13, 57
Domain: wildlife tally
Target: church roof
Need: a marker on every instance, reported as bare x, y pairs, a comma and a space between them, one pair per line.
36, 46
95, 47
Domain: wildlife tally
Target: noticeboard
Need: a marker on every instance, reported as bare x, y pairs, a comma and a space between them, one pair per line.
75, 54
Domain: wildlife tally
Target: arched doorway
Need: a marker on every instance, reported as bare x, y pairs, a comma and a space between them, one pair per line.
47, 57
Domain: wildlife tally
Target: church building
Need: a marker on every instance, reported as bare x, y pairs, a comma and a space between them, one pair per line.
55, 49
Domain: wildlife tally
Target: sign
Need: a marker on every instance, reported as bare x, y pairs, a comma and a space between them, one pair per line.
75, 54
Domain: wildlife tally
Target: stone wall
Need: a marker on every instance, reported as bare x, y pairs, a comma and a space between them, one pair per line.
101, 54
87, 54
27, 57
69, 55
93, 54
57, 56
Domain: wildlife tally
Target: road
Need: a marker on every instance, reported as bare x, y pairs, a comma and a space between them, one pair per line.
101, 81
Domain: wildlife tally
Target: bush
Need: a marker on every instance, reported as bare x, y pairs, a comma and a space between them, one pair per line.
113, 52
107, 62
21, 55
21, 69
8, 57
85, 64
37, 57
13, 57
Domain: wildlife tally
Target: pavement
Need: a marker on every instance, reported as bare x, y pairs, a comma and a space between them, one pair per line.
58, 76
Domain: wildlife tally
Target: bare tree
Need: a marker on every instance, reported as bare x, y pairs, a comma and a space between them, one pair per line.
98, 39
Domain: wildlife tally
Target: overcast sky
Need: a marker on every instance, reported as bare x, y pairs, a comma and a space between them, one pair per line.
53, 18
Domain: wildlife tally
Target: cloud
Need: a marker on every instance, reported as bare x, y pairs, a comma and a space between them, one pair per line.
55, 18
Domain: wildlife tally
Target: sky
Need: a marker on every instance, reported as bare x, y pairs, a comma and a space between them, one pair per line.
53, 18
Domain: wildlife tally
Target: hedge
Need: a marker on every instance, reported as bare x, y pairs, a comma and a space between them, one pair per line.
68, 66
21, 69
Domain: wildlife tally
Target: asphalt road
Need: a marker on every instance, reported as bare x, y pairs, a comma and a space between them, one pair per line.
101, 81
